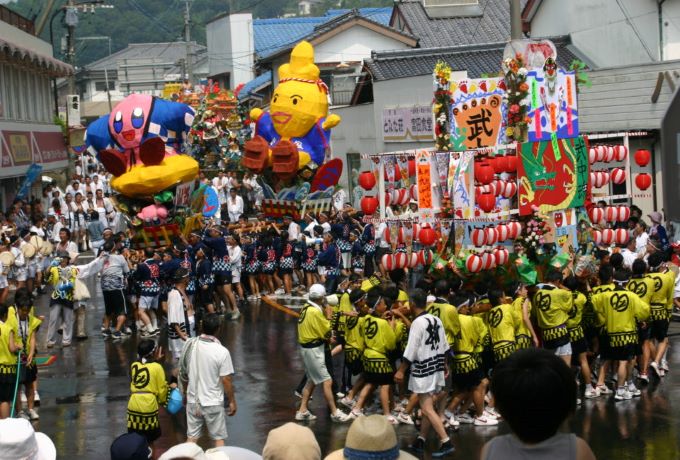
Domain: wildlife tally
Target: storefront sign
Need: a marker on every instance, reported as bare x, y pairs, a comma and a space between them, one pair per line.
19, 148
407, 124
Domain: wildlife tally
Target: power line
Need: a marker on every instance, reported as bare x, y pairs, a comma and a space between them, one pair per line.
632, 26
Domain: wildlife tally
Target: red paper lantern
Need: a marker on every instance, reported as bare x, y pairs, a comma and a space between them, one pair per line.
605, 177
498, 186
388, 198
478, 237
425, 256
401, 237
510, 189
515, 229
642, 157
503, 232
411, 168
621, 153
607, 236
597, 237
624, 213
611, 213
511, 163
488, 260
416, 231
483, 173
413, 259
618, 176
388, 262
609, 154
596, 215
413, 191
486, 202
593, 179
498, 164
473, 263
401, 196
592, 155
643, 180
601, 151
369, 204
367, 180
621, 236
491, 235
501, 255
400, 260
427, 236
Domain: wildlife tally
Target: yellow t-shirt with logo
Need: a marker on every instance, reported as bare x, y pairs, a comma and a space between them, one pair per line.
354, 340
619, 312
552, 306
574, 322
448, 314
468, 343
661, 302
502, 330
148, 390
379, 340
312, 325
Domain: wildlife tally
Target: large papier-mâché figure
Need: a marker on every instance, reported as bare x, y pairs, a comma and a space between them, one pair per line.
296, 131
140, 144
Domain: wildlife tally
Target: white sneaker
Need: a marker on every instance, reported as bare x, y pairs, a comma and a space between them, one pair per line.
404, 418
591, 392
664, 365
633, 390
454, 422
354, 414
339, 416
485, 421
304, 416
51, 344
33, 414
347, 402
657, 370
622, 395
604, 390
392, 419
466, 419
279, 291
491, 412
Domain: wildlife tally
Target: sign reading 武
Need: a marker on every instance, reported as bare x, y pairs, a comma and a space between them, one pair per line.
407, 124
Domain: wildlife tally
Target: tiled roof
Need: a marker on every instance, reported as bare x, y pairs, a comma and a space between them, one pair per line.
171, 52
272, 35
254, 85
477, 60
493, 26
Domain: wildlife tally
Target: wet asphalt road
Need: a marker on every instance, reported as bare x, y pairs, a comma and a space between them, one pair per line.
84, 396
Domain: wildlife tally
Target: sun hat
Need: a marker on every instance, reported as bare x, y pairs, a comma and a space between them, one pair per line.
317, 291
655, 217
19, 441
193, 451
371, 437
291, 441
130, 446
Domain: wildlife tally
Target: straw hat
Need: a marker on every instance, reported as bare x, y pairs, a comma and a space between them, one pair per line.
369, 436
291, 441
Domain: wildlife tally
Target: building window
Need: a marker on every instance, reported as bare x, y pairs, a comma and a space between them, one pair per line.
101, 85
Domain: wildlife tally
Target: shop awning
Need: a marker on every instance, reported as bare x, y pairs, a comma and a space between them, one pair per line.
21, 146
53, 66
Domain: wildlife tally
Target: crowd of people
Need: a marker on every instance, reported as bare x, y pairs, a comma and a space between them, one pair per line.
424, 343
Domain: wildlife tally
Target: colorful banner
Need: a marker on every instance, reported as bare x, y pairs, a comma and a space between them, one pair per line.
553, 109
553, 175
183, 194
407, 124
426, 181
564, 225
462, 184
477, 114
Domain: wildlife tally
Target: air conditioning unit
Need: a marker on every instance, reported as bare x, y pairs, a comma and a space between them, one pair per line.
73, 110
430, 3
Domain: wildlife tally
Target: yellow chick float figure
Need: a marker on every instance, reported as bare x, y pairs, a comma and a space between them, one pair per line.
295, 134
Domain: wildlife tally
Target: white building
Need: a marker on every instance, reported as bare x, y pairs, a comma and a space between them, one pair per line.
231, 49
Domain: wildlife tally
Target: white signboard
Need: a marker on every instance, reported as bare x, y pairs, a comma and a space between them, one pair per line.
407, 124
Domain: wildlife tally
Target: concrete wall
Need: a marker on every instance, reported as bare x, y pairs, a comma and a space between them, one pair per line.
354, 44
25, 40
231, 47
600, 30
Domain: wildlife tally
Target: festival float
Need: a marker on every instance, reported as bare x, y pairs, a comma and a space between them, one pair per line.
509, 188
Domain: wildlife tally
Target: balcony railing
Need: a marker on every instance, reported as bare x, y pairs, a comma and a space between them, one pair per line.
16, 20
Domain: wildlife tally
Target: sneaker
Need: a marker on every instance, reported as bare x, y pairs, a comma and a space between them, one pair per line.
404, 418
664, 365
50, 344
33, 414
622, 395
66, 344
485, 421
339, 395
235, 315
591, 392
633, 390
106, 333
578, 401
279, 291
643, 377
304, 416
339, 416
127, 331
418, 445
117, 335
492, 412
454, 422
149, 333
445, 449
655, 367
347, 402
354, 414
392, 419
604, 390
466, 419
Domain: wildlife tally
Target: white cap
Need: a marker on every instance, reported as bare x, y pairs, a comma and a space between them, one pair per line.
193, 451
332, 300
317, 291
18, 440
431, 299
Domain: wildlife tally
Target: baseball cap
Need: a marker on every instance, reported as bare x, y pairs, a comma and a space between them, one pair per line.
655, 217
130, 446
317, 291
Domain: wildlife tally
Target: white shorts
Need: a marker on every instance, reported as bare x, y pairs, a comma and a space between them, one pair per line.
564, 350
210, 416
235, 276
146, 303
314, 360
20, 274
346, 260
32, 269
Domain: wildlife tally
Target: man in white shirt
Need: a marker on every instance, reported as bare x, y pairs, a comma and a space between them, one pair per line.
641, 237
293, 228
629, 254
98, 185
220, 182
205, 375
234, 206
323, 221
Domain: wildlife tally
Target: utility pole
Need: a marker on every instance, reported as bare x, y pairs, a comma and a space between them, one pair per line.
71, 22
515, 20
187, 40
